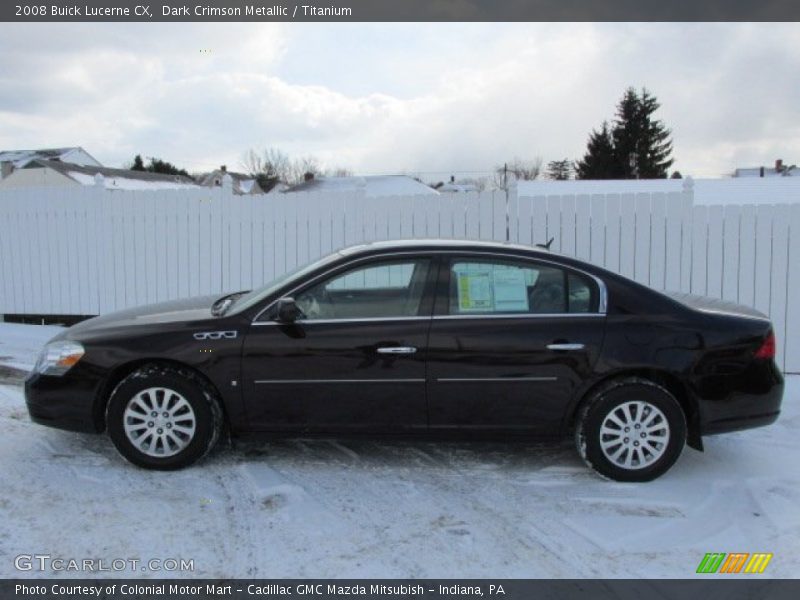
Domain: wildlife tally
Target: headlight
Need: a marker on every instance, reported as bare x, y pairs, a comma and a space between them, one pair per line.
58, 357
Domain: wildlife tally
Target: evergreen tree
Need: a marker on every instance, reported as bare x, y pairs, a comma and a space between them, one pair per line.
599, 162
639, 145
627, 134
156, 165
161, 166
642, 143
559, 170
655, 146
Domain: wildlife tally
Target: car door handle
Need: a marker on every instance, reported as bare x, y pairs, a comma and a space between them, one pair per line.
565, 346
397, 350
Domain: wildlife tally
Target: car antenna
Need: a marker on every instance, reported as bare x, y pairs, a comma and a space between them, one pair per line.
547, 245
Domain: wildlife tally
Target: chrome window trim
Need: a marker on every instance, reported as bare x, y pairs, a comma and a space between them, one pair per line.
493, 379
438, 318
326, 381
602, 304
521, 316
329, 321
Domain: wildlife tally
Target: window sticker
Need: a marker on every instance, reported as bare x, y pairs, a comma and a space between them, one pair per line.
492, 288
475, 291
510, 290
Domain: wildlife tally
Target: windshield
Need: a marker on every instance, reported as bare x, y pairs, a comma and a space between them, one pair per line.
257, 295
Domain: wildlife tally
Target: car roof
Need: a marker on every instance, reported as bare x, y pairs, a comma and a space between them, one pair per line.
438, 244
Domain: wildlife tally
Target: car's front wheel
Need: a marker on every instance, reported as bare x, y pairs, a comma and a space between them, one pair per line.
163, 417
631, 430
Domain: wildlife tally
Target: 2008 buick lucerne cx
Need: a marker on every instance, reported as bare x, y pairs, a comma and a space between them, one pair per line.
420, 336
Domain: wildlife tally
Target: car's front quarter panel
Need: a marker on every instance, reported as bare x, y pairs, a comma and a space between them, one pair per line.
76, 400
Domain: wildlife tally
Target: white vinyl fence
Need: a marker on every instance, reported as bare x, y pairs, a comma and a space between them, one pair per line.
87, 250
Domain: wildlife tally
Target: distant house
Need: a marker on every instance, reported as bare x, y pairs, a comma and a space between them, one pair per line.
17, 159
55, 173
451, 187
371, 185
454, 188
780, 170
242, 184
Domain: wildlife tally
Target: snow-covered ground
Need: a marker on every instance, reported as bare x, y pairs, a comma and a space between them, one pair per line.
344, 508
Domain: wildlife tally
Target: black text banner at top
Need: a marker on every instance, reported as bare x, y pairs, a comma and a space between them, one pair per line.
401, 10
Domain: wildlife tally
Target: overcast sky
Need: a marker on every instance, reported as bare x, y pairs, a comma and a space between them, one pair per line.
414, 98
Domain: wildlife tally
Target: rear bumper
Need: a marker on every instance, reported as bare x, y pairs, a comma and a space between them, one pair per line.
744, 402
62, 402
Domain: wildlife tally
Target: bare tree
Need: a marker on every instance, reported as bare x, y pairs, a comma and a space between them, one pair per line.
480, 183
300, 168
516, 170
252, 162
272, 163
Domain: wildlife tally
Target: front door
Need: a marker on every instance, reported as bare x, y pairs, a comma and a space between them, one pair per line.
510, 342
354, 360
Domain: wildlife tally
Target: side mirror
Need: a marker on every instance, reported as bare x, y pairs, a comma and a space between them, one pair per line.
288, 311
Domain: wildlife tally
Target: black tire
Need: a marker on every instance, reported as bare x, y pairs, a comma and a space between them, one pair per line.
205, 414
609, 405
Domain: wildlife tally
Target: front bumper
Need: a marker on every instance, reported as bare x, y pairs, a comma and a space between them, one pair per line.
66, 402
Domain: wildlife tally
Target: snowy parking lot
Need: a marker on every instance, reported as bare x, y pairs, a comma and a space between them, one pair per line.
367, 508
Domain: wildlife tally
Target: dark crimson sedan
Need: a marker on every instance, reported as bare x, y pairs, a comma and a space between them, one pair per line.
411, 337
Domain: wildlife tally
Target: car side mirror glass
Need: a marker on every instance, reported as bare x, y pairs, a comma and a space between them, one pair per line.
288, 311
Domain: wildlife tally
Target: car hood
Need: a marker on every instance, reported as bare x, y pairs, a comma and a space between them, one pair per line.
174, 311
715, 305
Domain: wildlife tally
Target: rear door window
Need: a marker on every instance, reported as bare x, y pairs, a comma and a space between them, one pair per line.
487, 287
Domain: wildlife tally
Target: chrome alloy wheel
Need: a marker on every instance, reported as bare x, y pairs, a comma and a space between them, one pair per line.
634, 435
159, 422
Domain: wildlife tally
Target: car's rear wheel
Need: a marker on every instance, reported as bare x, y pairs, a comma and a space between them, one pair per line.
163, 417
631, 430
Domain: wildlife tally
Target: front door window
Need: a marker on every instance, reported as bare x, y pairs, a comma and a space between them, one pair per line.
384, 290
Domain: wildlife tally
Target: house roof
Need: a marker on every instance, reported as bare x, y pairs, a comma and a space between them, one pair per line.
242, 183
747, 190
372, 186
123, 179
20, 158
208, 178
788, 171
457, 187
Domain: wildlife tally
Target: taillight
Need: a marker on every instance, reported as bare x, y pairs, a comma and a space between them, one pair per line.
767, 349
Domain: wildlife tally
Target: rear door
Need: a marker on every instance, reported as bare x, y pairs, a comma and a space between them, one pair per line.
510, 342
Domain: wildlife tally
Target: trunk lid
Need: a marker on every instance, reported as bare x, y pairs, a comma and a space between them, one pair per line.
715, 305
